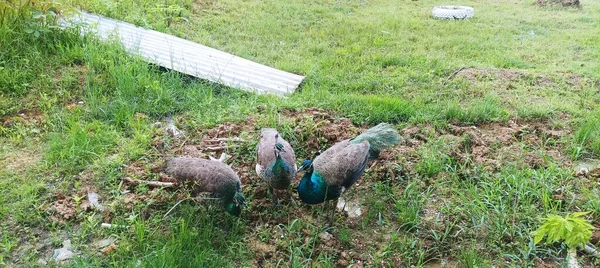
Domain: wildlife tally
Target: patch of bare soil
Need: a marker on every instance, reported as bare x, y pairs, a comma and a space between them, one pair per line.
25, 117
595, 240
504, 77
20, 161
497, 144
489, 145
564, 3
539, 263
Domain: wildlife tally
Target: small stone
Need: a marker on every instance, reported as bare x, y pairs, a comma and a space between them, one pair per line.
343, 262
104, 243
325, 236
345, 255
584, 167
42, 262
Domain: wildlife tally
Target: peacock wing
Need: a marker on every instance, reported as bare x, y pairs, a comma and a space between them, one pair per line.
342, 164
265, 147
289, 156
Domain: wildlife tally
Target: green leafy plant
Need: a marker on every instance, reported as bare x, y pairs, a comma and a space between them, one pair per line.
37, 17
573, 229
171, 12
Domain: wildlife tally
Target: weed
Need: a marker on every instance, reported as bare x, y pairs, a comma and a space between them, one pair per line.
587, 135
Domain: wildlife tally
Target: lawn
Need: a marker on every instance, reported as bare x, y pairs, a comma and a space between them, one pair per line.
496, 113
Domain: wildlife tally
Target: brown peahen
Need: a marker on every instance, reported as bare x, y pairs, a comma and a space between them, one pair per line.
275, 161
210, 176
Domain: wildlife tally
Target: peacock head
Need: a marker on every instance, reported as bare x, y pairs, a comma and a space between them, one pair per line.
235, 206
306, 166
279, 149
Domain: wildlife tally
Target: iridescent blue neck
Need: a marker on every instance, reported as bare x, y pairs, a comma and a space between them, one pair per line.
280, 167
312, 188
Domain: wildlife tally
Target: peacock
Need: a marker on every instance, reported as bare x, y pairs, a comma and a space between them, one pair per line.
210, 176
275, 161
336, 169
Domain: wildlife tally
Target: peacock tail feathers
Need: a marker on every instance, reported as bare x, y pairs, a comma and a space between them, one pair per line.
379, 137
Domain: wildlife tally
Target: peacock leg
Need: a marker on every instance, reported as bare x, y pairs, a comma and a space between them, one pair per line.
331, 207
274, 197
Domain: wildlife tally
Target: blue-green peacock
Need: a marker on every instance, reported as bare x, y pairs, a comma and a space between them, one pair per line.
275, 161
210, 176
336, 169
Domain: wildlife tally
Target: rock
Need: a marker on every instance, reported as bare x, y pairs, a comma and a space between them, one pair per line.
344, 255
343, 262
104, 243
325, 236
587, 166
42, 262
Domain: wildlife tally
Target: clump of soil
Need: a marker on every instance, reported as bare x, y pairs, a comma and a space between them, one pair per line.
63, 209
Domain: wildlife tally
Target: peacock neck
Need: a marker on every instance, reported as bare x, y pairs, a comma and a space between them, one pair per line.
280, 167
312, 188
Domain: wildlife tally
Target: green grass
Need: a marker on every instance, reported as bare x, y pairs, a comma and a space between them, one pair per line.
75, 112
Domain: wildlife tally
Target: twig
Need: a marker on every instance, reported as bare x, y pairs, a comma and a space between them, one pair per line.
225, 139
373, 164
453, 74
167, 214
150, 183
217, 148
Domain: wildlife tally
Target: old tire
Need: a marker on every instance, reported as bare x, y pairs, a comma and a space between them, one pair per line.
453, 12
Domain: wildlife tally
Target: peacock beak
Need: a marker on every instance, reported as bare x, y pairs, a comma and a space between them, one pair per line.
303, 167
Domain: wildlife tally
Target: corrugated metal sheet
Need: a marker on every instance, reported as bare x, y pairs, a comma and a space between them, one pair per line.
194, 59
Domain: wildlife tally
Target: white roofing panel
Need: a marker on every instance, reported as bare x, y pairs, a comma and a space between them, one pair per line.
194, 59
